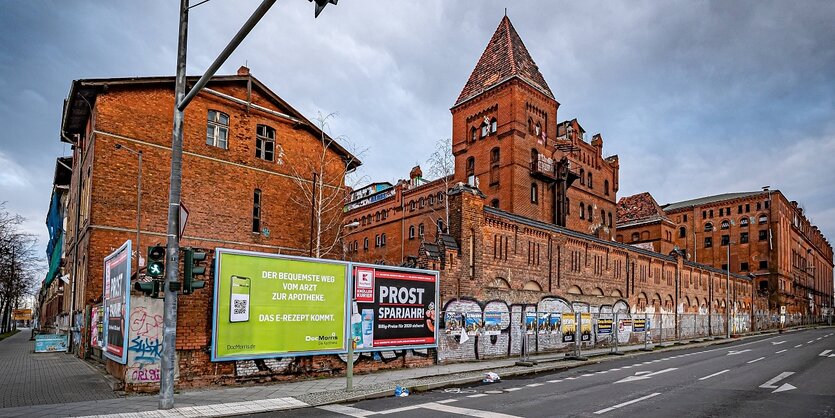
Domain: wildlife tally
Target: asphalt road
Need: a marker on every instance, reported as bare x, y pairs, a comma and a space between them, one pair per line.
784, 375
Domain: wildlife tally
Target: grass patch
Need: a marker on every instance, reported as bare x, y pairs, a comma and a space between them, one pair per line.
8, 334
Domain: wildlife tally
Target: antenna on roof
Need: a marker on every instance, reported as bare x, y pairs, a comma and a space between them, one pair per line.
505, 12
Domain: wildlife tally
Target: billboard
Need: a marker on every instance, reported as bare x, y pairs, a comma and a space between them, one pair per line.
269, 305
585, 327
21, 315
116, 303
397, 307
569, 328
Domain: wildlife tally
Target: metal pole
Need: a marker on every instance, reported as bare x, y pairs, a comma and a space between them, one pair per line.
646, 331
170, 290
138, 211
350, 376
577, 324
728, 295
615, 330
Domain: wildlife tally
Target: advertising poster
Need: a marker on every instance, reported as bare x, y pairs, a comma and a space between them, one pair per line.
492, 323
624, 326
402, 308
554, 321
21, 315
50, 343
268, 305
453, 323
543, 324
604, 326
568, 327
585, 327
96, 326
115, 302
639, 325
530, 323
472, 323
364, 285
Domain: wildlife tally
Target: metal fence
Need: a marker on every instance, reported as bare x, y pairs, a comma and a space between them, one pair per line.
491, 334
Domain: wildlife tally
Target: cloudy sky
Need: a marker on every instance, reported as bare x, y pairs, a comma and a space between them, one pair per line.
696, 97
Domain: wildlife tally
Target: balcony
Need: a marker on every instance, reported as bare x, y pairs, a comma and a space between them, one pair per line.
542, 168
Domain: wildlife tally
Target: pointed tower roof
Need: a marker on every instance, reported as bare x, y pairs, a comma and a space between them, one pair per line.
504, 58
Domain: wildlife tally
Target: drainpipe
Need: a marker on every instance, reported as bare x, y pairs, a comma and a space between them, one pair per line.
76, 235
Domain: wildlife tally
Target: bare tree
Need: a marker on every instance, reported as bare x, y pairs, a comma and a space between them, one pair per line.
442, 167
19, 265
321, 179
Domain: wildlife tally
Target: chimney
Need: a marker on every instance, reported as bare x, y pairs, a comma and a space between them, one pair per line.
243, 71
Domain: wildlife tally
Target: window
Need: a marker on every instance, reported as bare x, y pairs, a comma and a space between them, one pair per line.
685, 217
708, 242
431, 199
763, 264
602, 216
743, 267
420, 230
766, 204
763, 235
721, 211
377, 217
591, 184
421, 202
440, 197
747, 207
538, 130
610, 219
473, 134
636, 236
471, 171
708, 227
763, 219
704, 214
682, 232
217, 129
265, 143
365, 244
606, 187
493, 125
743, 238
383, 240
725, 267
743, 222
582, 176
591, 214
530, 126
725, 224
376, 240
485, 130
411, 232
582, 211
495, 155
440, 225
494, 203
534, 193
412, 205
256, 211
759, 206
726, 239
710, 213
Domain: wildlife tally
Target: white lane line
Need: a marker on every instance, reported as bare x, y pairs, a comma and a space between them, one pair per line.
810, 341
588, 374
347, 410
799, 345
464, 411
819, 338
715, 374
477, 395
446, 401
627, 367
570, 378
755, 360
603, 372
781, 351
621, 405
614, 370
512, 389
533, 385
555, 381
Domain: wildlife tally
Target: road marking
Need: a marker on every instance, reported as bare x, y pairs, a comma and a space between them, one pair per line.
819, 338
477, 395
627, 367
512, 389
799, 345
810, 341
347, 410
781, 351
555, 381
771, 383
755, 360
777, 342
446, 401
715, 374
735, 352
825, 353
645, 375
533, 385
603, 372
614, 370
588, 374
464, 411
570, 378
621, 405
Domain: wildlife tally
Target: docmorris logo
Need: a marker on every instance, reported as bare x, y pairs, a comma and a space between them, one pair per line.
331, 337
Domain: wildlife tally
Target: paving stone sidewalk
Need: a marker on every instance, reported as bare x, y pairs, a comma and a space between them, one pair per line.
290, 395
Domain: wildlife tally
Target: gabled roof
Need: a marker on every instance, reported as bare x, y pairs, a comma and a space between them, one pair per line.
640, 207
708, 199
504, 58
83, 94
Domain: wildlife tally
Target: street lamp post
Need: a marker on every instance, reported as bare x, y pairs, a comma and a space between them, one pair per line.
138, 201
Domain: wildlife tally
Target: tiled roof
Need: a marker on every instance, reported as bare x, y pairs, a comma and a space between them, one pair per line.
639, 207
708, 199
504, 58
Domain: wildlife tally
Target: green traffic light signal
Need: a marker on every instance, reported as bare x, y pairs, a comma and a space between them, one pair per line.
150, 288
192, 268
156, 261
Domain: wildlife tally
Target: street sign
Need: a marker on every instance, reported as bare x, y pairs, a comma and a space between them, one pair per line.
181, 221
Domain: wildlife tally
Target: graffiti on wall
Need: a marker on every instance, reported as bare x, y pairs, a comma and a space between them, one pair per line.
145, 340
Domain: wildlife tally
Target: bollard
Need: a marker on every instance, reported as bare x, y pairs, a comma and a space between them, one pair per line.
350, 377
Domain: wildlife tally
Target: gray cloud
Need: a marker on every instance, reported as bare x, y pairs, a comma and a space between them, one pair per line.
697, 98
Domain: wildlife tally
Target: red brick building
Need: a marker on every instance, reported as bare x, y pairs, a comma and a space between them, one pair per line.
506, 140
247, 159
765, 235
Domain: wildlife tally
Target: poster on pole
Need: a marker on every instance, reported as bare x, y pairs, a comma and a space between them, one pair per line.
116, 303
604, 325
554, 321
530, 322
585, 327
569, 327
492, 323
639, 325
473, 323
400, 310
269, 305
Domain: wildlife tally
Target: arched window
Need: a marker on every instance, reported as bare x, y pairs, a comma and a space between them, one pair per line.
440, 225
365, 244
471, 171
682, 232
591, 183
412, 205
591, 214
440, 197
473, 134
610, 219
485, 129
420, 230
494, 203
725, 224
431, 199
534, 157
582, 176
493, 125
606, 187
582, 211
538, 129
603, 216
763, 219
708, 227
411, 232
534, 193
495, 155
377, 217
636, 236
376, 241
421, 202
530, 126
383, 240
644, 235
356, 246
743, 222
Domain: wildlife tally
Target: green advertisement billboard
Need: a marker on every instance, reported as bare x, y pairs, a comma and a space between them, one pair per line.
268, 305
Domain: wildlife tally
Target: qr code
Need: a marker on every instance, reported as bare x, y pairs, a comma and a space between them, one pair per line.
240, 307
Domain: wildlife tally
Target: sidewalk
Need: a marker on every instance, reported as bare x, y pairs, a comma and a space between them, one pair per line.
291, 395
45, 378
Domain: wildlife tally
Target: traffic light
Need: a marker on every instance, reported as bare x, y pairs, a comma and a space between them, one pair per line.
156, 261
320, 4
150, 288
192, 269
